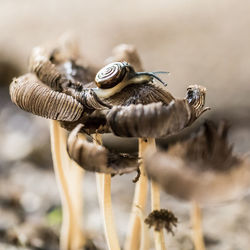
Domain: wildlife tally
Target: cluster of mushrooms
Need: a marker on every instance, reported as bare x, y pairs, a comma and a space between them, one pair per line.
122, 99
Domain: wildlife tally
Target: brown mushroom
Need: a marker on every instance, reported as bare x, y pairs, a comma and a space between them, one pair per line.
133, 105
202, 169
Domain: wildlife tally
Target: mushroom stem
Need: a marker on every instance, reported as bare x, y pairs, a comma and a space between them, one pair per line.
69, 183
155, 205
197, 227
144, 239
133, 240
103, 182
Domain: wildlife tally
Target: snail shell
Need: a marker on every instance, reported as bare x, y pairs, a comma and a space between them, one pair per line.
110, 75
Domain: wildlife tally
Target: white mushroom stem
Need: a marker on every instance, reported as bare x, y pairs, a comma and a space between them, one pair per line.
69, 181
103, 182
144, 233
197, 227
133, 240
155, 205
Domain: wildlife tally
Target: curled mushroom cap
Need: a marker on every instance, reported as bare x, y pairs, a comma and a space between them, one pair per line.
45, 70
136, 106
128, 53
201, 168
96, 158
160, 118
33, 96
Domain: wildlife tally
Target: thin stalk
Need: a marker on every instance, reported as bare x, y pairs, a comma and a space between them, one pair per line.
133, 240
155, 205
103, 182
71, 234
144, 233
74, 179
197, 227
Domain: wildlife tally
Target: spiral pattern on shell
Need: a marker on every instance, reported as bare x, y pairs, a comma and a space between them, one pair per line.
110, 75
28, 93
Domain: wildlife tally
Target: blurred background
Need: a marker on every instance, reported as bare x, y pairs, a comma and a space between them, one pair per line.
199, 42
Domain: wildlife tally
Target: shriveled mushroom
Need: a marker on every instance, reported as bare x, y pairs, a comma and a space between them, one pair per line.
152, 120
201, 169
68, 175
118, 100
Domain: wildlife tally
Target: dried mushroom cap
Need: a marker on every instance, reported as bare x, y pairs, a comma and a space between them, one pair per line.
203, 168
33, 96
196, 97
63, 94
66, 49
45, 70
96, 158
156, 119
209, 148
128, 53
140, 94
152, 120
160, 219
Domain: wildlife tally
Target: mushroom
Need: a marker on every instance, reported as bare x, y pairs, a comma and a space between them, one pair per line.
119, 100
68, 175
158, 120
32, 95
201, 169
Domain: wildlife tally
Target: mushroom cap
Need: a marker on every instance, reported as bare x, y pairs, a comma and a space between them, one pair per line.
128, 53
97, 158
203, 168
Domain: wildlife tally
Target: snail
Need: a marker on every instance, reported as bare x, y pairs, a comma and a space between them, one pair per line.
115, 76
